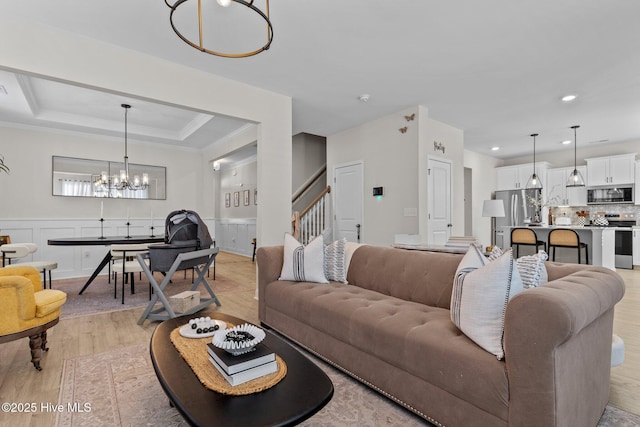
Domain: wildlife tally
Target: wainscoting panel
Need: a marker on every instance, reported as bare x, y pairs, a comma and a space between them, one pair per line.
236, 235
73, 261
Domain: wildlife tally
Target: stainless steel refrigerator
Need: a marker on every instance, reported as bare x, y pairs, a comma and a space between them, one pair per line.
518, 211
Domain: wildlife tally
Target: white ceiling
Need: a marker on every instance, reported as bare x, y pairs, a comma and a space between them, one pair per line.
493, 68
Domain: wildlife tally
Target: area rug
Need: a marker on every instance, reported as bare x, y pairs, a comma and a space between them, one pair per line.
98, 297
119, 388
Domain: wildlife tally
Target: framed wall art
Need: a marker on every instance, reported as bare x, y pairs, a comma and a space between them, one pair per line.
255, 196
236, 199
227, 200
245, 196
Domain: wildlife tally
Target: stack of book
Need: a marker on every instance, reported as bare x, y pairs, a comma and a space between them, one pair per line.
245, 367
461, 241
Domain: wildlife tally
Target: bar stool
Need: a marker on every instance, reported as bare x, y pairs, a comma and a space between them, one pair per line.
566, 238
526, 237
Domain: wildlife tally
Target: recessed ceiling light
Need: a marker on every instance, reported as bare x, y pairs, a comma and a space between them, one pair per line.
495, 148
566, 142
568, 98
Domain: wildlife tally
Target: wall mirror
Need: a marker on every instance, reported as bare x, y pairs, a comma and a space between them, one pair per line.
74, 177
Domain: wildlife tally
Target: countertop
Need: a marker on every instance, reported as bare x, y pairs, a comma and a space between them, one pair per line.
573, 227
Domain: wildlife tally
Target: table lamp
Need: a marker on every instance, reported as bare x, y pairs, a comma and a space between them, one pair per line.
493, 209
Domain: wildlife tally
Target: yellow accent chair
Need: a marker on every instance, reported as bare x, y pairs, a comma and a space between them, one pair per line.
28, 310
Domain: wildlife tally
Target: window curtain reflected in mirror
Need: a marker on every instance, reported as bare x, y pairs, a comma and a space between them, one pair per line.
76, 187
79, 188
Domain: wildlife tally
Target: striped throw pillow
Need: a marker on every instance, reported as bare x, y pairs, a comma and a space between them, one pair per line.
303, 263
532, 269
335, 261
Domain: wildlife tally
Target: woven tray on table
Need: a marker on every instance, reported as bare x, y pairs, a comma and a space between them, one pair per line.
194, 352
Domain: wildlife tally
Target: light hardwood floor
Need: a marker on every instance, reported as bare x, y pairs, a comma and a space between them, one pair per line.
20, 382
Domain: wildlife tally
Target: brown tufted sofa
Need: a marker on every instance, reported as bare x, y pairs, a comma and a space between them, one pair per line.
390, 328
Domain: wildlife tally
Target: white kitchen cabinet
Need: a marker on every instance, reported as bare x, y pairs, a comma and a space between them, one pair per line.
515, 177
558, 194
636, 246
611, 170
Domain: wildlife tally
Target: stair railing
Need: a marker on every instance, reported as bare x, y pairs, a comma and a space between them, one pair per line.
314, 220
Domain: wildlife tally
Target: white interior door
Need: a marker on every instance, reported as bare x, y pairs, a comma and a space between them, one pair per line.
439, 201
348, 182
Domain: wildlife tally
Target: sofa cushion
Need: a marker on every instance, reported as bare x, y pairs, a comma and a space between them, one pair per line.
418, 276
414, 337
48, 301
480, 298
303, 263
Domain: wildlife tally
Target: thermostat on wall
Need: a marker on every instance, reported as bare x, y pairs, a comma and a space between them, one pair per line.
377, 191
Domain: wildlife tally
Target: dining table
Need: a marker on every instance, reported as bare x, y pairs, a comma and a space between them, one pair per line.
102, 241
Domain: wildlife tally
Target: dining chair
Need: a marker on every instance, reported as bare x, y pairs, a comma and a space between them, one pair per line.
16, 251
126, 264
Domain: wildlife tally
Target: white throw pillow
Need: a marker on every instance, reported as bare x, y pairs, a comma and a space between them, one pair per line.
481, 298
303, 264
334, 261
532, 269
472, 260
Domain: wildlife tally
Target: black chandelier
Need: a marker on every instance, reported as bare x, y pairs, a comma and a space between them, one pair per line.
224, 3
106, 183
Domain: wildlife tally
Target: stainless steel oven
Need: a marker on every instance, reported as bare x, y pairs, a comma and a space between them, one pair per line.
623, 224
624, 248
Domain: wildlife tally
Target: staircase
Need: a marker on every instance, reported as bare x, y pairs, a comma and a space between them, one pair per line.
314, 220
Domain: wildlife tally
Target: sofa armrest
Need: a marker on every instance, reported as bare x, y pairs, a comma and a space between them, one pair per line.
557, 341
270, 259
17, 302
30, 273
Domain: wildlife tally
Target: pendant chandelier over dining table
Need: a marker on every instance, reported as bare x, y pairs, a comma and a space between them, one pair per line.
122, 181
188, 34
125, 182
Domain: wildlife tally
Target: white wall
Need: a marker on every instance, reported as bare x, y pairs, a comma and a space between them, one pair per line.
49, 53
390, 161
309, 154
27, 191
398, 162
483, 186
238, 179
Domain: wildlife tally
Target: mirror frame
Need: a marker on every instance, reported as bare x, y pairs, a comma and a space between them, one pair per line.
91, 170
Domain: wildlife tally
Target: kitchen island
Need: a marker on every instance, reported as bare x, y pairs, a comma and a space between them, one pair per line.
601, 241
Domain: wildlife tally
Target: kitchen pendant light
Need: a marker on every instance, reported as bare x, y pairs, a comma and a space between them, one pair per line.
534, 182
575, 179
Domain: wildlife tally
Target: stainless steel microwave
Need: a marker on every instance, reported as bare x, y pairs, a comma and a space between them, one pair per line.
608, 195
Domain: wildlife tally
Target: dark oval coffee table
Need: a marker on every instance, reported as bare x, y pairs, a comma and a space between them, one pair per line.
303, 391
